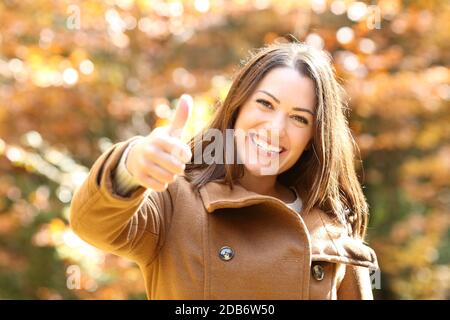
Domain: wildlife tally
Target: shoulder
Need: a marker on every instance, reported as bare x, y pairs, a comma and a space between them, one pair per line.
330, 240
317, 219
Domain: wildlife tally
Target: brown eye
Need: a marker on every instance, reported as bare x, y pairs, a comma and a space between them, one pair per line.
300, 119
265, 103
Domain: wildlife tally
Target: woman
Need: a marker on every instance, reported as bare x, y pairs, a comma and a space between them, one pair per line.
281, 217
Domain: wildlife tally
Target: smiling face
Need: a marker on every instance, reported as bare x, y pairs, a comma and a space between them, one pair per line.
275, 124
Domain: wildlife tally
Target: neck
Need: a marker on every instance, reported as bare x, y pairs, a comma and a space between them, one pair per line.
265, 185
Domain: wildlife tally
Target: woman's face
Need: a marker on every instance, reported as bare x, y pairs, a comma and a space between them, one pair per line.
276, 123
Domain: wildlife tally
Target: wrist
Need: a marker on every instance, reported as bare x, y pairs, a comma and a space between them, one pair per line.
124, 176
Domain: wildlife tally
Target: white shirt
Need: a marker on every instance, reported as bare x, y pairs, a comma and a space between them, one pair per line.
297, 204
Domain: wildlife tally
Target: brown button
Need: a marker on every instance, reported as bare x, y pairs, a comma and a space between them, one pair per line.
226, 253
318, 272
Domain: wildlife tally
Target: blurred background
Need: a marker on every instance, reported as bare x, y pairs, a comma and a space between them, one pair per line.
78, 76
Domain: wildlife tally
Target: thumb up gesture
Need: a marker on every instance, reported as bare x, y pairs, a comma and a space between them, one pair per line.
157, 159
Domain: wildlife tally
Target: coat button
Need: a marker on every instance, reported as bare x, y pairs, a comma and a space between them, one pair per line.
226, 253
318, 272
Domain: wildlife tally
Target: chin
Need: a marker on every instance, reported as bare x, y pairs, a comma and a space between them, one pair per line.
260, 170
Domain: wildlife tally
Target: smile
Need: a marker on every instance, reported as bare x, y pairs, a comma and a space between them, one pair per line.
264, 146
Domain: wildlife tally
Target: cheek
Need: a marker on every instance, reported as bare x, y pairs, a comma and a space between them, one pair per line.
298, 147
241, 117
249, 117
299, 140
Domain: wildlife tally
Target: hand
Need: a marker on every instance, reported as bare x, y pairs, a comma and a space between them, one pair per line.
157, 159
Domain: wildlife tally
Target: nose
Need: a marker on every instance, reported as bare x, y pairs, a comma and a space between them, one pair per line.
278, 124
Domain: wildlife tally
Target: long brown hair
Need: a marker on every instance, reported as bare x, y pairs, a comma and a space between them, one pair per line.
325, 172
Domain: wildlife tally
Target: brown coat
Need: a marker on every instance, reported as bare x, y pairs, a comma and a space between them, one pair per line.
176, 238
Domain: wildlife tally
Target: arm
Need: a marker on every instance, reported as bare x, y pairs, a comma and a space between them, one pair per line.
130, 226
120, 211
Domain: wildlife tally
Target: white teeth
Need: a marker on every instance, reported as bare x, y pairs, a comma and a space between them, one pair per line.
264, 145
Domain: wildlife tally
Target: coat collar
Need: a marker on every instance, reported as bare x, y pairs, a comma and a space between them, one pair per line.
329, 239
218, 195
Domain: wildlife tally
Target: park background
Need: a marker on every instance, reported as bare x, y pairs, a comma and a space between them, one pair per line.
79, 76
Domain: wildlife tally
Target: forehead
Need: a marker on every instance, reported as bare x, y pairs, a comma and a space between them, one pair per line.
289, 86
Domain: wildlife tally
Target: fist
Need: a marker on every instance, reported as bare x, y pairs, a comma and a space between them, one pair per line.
156, 160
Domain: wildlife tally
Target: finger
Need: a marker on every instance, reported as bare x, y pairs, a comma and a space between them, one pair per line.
164, 160
175, 147
158, 173
152, 183
181, 116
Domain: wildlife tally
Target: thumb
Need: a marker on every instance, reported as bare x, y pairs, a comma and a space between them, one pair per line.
182, 113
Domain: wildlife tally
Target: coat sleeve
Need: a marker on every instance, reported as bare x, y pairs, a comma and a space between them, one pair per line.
356, 284
131, 226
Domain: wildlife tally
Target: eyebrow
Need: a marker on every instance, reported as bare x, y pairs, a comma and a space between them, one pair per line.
278, 101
